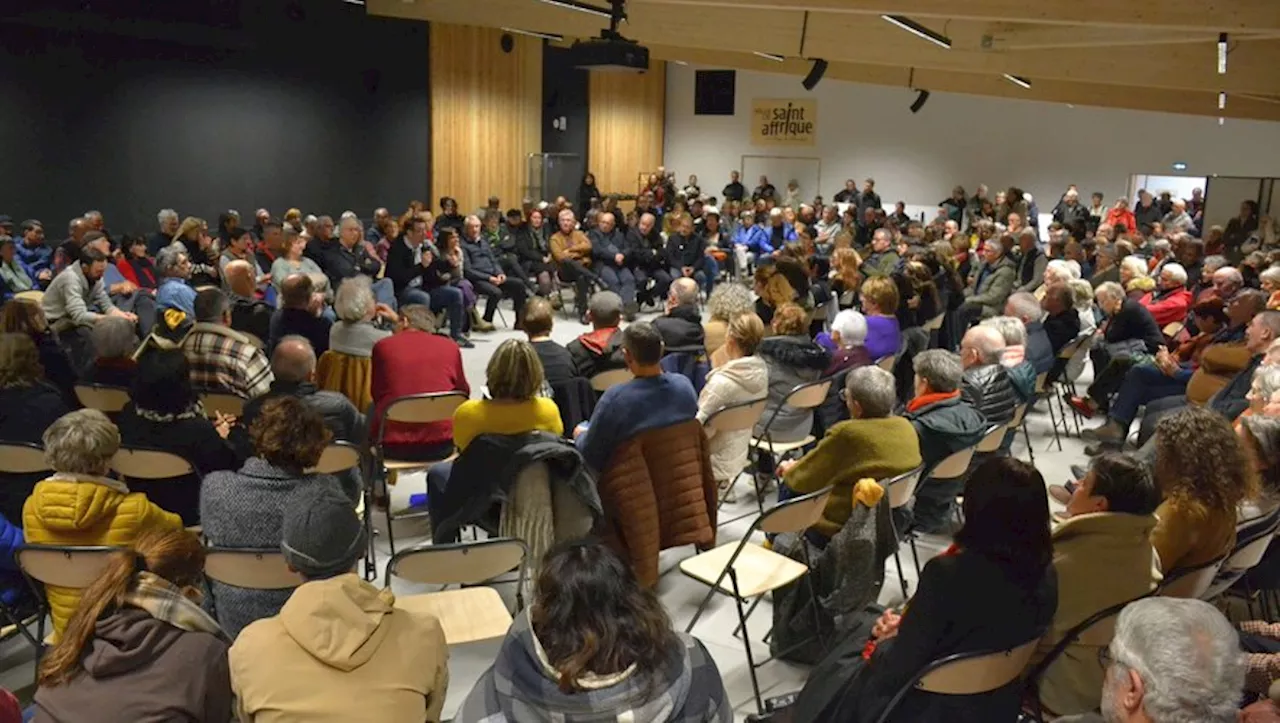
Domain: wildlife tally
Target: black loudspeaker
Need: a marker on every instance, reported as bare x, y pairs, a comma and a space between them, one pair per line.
713, 92
507, 42
815, 74
920, 101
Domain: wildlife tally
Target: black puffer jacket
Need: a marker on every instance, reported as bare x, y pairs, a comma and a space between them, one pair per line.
990, 390
792, 360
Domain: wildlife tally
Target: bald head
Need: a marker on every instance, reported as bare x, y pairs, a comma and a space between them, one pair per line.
981, 345
293, 360
606, 222
684, 292
240, 277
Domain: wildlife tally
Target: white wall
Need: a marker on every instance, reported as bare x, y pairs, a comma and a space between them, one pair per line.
866, 130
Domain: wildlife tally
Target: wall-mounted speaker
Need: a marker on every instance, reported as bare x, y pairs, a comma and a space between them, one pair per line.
815, 74
921, 99
507, 42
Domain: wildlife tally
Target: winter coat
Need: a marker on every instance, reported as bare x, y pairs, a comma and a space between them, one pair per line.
792, 360
1102, 559
1039, 350
138, 669
82, 511
245, 509
993, 286
597, 351
946, 427
681, 329
342, 650
522, 687
990, 390
875, 448
658, 492
1167, 307
739, 380
1133, 321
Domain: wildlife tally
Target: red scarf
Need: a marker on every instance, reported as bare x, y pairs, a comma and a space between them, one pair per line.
925, 400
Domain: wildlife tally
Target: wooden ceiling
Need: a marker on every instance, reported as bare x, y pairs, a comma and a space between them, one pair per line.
1159, 56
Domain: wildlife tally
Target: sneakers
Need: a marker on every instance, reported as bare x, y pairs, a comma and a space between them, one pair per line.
727, 492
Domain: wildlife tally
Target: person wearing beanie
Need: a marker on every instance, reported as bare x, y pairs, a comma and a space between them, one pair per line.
339, 649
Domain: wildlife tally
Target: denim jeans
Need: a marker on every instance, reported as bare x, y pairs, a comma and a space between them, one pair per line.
1142, 385
444, 298
384, 292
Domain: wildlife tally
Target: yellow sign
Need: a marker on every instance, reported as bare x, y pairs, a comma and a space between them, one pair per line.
784, 122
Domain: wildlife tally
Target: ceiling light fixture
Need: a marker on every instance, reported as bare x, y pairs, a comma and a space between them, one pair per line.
534, 33
1018, 81
770, 56
581, 7
1222, 101
918, 30
679, 62
354, 2
1221, 120
1222, 53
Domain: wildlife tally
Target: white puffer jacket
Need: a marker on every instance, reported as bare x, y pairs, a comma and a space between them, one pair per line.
740, 380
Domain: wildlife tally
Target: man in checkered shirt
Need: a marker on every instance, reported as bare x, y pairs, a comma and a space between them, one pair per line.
220, 358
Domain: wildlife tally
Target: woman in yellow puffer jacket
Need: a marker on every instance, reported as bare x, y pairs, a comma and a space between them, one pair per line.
78, 505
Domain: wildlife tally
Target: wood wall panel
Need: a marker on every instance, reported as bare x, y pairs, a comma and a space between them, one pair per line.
628, 115
486, 114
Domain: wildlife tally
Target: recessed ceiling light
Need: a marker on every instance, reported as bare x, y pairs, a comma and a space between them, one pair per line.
1018, 81
770, 56
918, 30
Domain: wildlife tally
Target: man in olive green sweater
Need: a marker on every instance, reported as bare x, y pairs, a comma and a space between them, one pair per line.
873, 444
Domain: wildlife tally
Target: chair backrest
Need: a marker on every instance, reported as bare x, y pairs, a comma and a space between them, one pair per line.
104, 399
972, 674
347, 375
954, 466
935, 323
611, 378
1073, 346
990, 441
809, 395
424, 408
1173, 329
1191, 582
737, 417
251, 569
228, 404
22, 458
1249, 551
466, 563
63, 566
337, 457
1042, 381
30, 295
902, 487
886, 362
796, 514
149, 464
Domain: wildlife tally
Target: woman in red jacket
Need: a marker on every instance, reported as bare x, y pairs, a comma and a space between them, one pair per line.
1120, 214
136, 266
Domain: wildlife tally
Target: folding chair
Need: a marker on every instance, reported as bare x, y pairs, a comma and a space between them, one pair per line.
34, 295
602, 381
1043, 391
22, 458
336, 458
228, 404
70, 567
1173, 329
990, 441
1075, 347
249, 568
108, 400
1191, 582
410, 409
807, 396
900, 490
1020, 420
738, 417
1248, 552
966, 674
954, 467
886, 362
752, 570
149, 464
467, 614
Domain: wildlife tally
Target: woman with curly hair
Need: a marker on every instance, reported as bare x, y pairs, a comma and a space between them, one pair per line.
245, 508
1204, 474
726, 303
772, 291
596, 645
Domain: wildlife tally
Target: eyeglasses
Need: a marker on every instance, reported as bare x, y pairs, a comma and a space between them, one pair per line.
1104, 657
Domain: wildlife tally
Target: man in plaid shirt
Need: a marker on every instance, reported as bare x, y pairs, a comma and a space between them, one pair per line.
220, 358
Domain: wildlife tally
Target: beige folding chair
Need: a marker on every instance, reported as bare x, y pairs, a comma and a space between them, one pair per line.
467, 614
22, 458
954, 467
886, 362
1020, 421
966, 674
107, 400
410, 409
934, 324
900, 490
30, 295
753, 570
1173, 328
149, 464
62, 566
735, 418
228, 404
337, 457
808, 396
1191, 582
990, 442
612, 378
252, 569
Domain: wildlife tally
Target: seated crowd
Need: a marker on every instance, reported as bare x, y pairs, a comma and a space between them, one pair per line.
924, 339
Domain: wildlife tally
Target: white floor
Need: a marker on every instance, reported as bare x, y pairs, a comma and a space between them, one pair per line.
680, 594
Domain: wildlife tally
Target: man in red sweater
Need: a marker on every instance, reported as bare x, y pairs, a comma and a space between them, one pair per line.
1170, 300
415, 360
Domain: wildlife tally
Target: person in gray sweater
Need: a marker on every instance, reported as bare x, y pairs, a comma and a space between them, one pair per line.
245, 508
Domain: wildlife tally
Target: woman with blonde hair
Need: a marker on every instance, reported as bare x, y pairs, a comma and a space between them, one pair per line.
772, 291
24, 316
742, 377
845, 277
880, 306
139, 647
727, 302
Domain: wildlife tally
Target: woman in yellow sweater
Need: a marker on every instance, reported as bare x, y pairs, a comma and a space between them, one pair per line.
513, 379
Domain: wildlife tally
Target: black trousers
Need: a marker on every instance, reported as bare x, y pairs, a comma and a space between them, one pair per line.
512, 288
575, 272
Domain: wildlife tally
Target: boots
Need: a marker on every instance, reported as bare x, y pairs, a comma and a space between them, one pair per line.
478, 323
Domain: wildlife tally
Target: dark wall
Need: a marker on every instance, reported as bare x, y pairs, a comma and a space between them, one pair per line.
266, 103
564, 95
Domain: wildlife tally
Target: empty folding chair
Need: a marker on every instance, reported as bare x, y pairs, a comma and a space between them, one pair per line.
22, 458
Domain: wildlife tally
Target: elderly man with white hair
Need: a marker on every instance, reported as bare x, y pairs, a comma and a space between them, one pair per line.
1129, 333
1178, 219
1170, 661
1170, 300
167, 220
350, 257
986, 383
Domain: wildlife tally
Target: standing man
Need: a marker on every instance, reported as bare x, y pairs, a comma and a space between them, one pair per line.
609, 260
869, 198
735, 191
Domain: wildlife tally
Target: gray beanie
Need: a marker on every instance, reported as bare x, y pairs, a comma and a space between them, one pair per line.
323, 536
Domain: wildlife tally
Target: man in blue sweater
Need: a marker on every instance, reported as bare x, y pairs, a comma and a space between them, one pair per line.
651, 400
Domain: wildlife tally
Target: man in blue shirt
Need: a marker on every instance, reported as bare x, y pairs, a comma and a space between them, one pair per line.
651, 400
750, 241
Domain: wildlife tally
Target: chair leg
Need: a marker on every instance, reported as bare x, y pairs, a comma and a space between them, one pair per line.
751, 609
1026, 435
915, 555
902, 578
703, 606
746, 642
